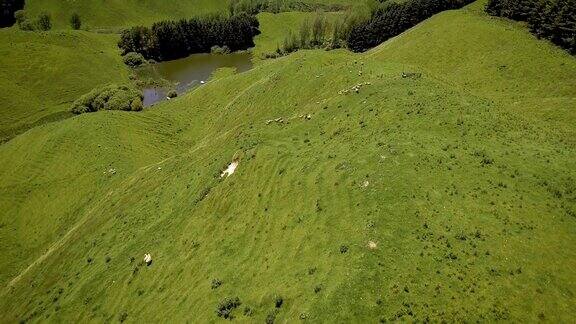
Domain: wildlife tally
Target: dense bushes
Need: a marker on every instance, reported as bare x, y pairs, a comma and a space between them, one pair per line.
168, 40
43, 22
133, 59
75, 21
110, 97
226, 306
7, 10
551, 19
394, 18
319, 32
275, 6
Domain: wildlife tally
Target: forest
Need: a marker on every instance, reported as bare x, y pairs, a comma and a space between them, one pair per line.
168, 40
554, 20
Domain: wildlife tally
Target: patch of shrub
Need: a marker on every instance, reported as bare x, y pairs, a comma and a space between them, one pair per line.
271, 317
44, 21
172, 94
110, 97
216, 283
343, 249
220, 49
318, 33
278, 301
134, 59
254, 7
75, 21
248, 311
226, 306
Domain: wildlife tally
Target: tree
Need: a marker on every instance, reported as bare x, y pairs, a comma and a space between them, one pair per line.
7, 10
44, 21
75, 21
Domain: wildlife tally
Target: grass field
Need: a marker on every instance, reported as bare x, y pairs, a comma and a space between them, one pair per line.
446, 196
42, 73
121, 13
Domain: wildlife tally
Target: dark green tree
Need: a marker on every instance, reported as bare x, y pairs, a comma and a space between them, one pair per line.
75, 21
44, 21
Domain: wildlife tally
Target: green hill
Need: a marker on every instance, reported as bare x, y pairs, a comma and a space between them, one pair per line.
120, 13
42, 73
429, 179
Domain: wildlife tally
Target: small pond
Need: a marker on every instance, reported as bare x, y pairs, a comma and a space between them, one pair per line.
189, 72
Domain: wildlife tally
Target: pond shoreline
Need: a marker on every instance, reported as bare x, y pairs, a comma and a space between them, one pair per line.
187, 73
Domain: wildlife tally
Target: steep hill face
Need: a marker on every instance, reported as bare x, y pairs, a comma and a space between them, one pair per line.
371, 186
41, 74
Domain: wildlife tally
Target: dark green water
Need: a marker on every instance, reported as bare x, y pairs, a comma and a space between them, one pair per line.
190, 72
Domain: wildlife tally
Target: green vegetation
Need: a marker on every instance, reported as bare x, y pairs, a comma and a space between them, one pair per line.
121, 13
110, 97
42, 23
41, 74
168, 40
429, 179
133, 59
75, 21
552, 19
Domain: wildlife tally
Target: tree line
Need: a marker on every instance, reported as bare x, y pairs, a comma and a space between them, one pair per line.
7, 10
554, 20
391, 19
276, 6
167, 40
318, 32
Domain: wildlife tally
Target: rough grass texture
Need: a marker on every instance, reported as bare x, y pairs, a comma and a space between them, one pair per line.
121, 13
464, 175
41, 74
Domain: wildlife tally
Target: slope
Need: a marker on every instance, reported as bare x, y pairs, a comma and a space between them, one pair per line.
122, 13
420, 198
42, 73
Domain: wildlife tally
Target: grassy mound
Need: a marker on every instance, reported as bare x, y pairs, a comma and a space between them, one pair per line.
41, 74
375, 186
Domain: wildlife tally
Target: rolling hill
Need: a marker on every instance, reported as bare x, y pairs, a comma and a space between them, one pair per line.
41, 74
429, 179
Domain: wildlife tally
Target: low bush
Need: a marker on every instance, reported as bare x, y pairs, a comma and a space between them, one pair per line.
110, 97
216, 283
44, 21
278, 301
134, 59
75, 21
172, 94
220, 49
226, 306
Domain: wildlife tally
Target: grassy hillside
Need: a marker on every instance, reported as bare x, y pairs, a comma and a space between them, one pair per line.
119, 13
42, 73
116, 13
421, 198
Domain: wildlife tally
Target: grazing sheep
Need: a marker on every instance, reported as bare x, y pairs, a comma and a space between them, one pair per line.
148, 259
